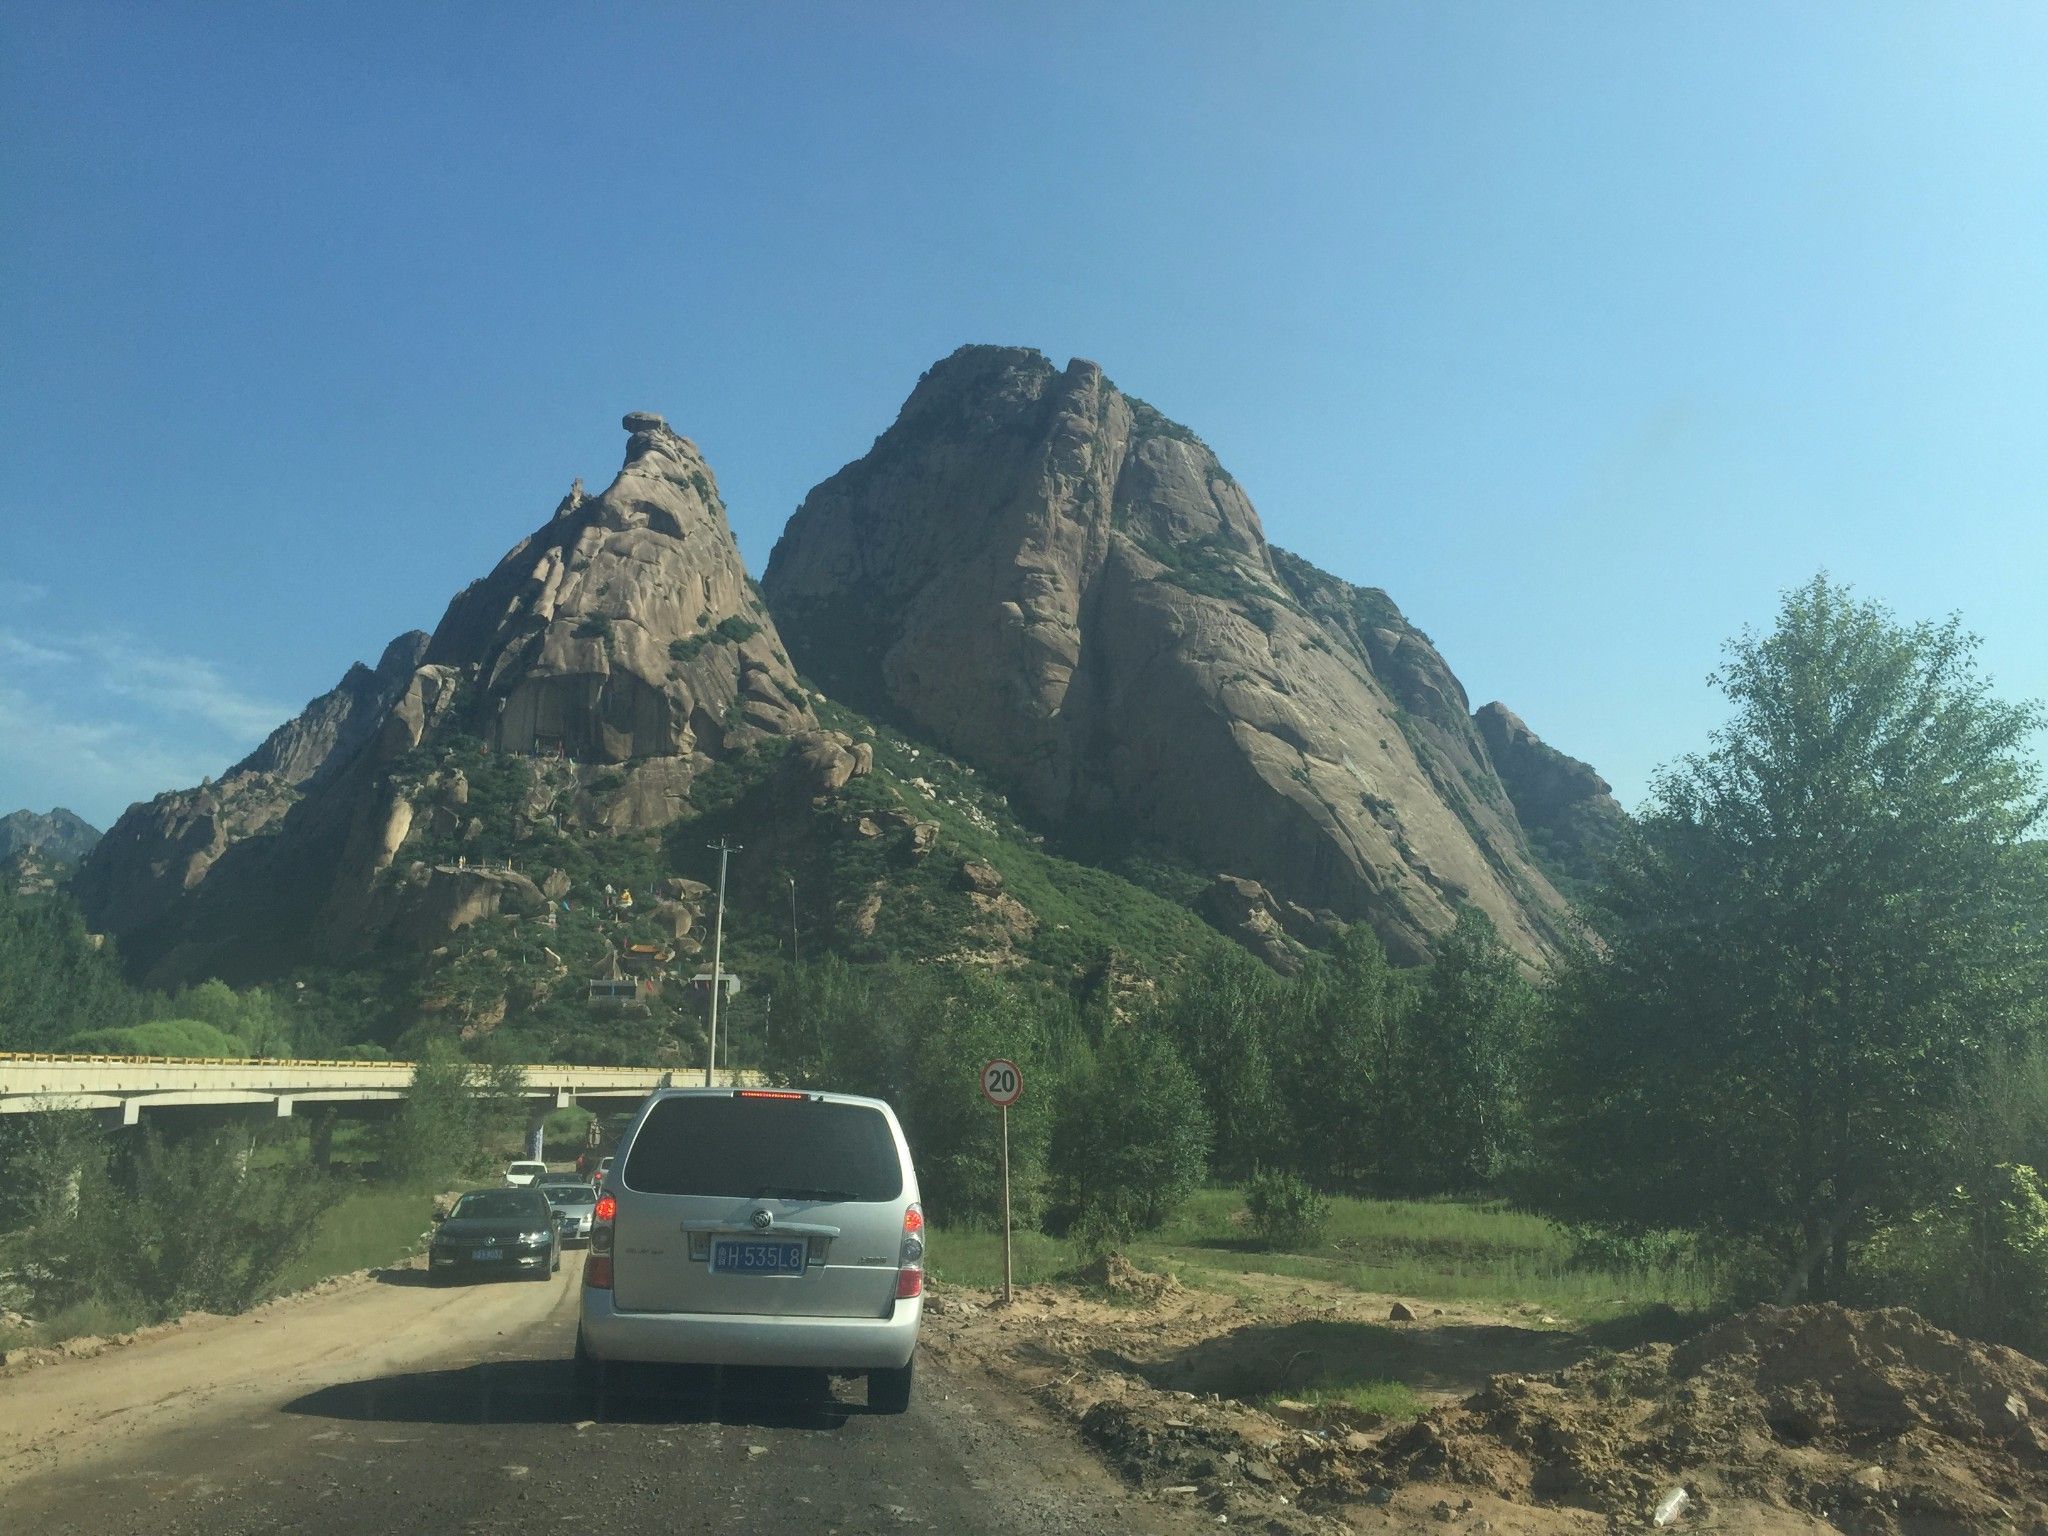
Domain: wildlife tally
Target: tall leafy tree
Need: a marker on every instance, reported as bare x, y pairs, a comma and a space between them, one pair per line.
1818, 930
1338, 1059
1223, 1013
1465, 1053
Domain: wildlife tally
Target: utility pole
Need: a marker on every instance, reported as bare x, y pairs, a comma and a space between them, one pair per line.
796, 953
724, 851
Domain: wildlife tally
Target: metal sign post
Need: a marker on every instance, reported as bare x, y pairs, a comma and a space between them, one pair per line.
1002, 1084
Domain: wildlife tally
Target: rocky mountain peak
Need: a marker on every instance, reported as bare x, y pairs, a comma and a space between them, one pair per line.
1065, 587
608, 659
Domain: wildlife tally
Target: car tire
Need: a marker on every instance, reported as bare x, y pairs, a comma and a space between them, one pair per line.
889, 1391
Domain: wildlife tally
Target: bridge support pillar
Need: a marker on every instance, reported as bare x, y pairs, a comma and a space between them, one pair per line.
320, 1128
536, 1130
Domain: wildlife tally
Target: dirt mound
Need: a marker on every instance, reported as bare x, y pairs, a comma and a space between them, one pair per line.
1123, 1279
1873, 1421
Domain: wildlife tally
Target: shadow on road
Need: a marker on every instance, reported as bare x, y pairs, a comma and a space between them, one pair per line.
544, 1392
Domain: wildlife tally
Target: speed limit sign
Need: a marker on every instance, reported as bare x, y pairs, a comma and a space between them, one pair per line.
1001, 1082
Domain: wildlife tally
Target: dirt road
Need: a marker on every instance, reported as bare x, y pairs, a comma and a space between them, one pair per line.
394, 1407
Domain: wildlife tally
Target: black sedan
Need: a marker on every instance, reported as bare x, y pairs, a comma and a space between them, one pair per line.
497, 1231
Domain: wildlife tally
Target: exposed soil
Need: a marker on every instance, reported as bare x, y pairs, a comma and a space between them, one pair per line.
1804, 1419
1874, 1422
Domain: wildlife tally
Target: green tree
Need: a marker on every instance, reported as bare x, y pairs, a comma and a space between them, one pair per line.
1222, 1013
1464, 1055
1130, 1138
1339, 1053
1808, 944
56, 980
457, 1116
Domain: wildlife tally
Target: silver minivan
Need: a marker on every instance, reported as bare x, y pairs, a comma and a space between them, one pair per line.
756, 1226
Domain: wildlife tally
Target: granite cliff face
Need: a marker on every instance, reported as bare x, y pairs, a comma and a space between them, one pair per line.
1066, 589
610, 658
331, 727
1569, 811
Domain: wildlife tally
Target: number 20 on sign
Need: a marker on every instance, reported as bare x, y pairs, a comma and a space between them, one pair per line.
1002, 1084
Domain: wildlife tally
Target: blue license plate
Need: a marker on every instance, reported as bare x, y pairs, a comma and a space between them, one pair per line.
485, 1255
753, 1257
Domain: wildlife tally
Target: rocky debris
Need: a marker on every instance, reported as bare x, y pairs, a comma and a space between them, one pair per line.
1115, 1273
453, 897
826, 761
1400, 1312
866, 913
1064, 587
1874, 1421
980, 876
1278, 932
1561, 801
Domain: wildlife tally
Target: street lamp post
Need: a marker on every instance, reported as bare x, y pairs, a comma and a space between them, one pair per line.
724, 851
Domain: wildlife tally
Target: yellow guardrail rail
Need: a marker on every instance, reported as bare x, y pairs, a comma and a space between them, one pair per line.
286, 1062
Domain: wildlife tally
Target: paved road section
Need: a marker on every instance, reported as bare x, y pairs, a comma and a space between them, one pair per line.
399, 1408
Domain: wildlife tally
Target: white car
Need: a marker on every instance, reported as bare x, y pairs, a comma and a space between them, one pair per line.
524, 1173
758, 1227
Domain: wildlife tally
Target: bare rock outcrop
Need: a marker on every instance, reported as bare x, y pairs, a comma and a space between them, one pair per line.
1064, 587
1567, 808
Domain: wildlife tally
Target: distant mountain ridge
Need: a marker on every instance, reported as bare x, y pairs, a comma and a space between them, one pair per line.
56, 836
1061, 598
59, 835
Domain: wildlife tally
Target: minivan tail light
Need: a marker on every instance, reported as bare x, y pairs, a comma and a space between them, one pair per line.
910, 1256
766, 1093
597, 1268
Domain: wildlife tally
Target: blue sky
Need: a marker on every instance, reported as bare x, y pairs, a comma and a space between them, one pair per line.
1583, 330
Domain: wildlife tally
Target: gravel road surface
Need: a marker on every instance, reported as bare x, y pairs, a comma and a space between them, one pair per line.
394, 1407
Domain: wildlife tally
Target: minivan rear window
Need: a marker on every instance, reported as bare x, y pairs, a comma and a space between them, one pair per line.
765, 1149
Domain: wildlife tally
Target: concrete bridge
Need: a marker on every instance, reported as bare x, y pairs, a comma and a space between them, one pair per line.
132, 1085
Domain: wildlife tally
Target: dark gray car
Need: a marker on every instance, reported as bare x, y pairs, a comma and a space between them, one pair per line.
497, 1232
574, 1201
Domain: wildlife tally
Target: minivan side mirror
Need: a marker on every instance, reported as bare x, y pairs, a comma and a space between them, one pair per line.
440, 1215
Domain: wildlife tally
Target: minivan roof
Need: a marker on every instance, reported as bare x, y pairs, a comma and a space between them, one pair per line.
823, 1094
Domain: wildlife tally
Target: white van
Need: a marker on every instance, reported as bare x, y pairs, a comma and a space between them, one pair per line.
756, 1226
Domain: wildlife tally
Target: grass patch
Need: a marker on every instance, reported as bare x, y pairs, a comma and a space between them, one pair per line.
1425, 1250
373, 1226
976, 1258
1384, 1399
1441, 1250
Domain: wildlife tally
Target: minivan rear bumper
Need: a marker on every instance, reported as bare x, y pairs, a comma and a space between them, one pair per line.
723, 1338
